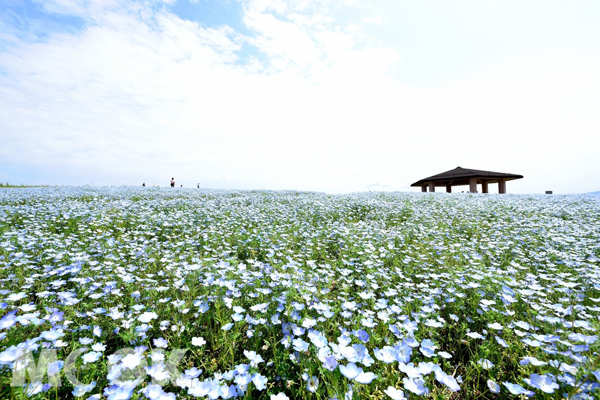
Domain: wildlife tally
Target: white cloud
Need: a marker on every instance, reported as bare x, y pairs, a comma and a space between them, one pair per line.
142, 95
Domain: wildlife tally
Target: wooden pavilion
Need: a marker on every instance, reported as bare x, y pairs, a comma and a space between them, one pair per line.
465, 176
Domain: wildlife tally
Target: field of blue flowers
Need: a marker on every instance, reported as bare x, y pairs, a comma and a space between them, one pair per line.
155, 293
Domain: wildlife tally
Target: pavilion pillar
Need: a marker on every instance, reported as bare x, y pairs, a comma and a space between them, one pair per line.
448, 188
473, 185
431, 187
501, 186
423, 188
484, 187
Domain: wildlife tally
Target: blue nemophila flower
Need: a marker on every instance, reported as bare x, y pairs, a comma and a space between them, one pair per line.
86, 341
227, 327
198, 341
344, 340
517, 389
317, 339
568, 368
365, 377
532, 343
330, 363
495, 326
300, 345
91, 357
243, 379
16, 297
254, 358
427, 348
298, 331
387, 354
578, 337
147, 317
131, 361
55, 367
350, 370
279, 396
543, 382
417, 386
192, 373
368, 322
237, 317
363, 336
475, 335
275, 320
493, 386
532, 360
445, 379
160, 342
97, 331
395, 394
80, 390
52, 334
98, 347
153, 392
312, 384
485, 363
157, 371
8, 320
501, 342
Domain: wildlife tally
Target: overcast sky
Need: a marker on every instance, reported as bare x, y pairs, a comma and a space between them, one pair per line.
325, 95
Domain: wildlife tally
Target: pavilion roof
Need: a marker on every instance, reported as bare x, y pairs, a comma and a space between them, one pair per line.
460, 174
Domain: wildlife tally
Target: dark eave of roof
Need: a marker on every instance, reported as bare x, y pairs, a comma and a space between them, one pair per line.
460, 174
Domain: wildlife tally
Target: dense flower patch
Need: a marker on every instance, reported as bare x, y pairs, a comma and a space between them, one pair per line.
164, 294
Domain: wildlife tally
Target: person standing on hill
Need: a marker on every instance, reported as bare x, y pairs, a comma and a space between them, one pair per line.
172, 182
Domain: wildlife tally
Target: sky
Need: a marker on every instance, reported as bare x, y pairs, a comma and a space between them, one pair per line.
313, 95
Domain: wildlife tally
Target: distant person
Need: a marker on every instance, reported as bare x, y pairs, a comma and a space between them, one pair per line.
172, 182
181, 186
144, 184
198, 186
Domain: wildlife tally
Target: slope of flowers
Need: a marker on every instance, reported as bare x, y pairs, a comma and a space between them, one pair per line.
164, 294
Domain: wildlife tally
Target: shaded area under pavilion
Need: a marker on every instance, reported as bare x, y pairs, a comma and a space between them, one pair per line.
465, 176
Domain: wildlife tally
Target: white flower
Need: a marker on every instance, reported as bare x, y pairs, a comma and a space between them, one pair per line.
131, 361
474, 335
52, 334
91, 357
198, 341
98, 347
309, 323
147, 317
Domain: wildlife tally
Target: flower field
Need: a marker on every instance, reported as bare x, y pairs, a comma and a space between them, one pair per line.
157, 293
